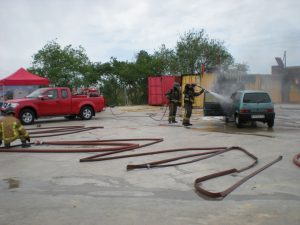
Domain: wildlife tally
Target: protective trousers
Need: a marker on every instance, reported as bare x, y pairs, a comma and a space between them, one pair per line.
188, 107
172, 112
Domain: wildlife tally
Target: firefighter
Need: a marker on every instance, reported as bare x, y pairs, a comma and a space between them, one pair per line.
189, 95
173, 95
12, 129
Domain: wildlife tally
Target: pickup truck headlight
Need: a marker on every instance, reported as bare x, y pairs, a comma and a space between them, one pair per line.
14, 105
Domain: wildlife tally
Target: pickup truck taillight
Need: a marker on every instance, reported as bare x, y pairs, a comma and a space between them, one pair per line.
270, 110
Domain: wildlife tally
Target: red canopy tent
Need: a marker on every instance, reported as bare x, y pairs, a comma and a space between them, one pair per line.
23, 77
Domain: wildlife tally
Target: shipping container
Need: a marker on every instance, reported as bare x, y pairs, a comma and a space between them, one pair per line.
157, 88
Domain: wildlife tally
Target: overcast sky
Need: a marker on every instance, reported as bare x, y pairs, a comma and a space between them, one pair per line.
254, 31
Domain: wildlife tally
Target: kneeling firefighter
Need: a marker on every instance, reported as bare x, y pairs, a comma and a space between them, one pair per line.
12, 129
189, 95
173, 95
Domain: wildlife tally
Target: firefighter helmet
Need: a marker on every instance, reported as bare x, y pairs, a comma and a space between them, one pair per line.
176, 85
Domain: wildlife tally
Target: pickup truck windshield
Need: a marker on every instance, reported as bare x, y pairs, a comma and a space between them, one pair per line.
37, 93
256, 98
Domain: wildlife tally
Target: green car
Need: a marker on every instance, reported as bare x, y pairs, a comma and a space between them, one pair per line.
244, 106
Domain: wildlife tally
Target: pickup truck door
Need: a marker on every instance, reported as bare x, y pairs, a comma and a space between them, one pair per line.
65, 102
213, 106
49, 103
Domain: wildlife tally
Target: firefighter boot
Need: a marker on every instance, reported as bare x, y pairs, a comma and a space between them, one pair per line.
25, 145
186, 122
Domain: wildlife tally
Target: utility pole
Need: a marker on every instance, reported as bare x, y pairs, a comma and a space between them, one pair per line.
284, 59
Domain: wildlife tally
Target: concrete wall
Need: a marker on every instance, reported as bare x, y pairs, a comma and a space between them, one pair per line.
275, 85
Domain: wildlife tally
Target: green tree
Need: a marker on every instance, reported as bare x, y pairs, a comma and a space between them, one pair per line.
133, 77
195, 48
108, 81
165, 61
66, 66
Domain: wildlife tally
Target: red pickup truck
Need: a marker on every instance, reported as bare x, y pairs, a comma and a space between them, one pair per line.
48, 102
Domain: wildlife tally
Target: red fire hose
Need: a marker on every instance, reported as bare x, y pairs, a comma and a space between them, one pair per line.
58, 131
223, 194
122, 145
213, 152
101, 158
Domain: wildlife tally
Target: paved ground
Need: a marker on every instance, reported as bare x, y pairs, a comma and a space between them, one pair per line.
56, 189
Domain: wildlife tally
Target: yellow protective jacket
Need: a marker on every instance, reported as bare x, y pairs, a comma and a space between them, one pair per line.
12, 129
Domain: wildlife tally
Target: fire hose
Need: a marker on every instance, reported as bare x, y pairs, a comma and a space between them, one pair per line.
223, 194
101, 158
211, 152
296, 160
214, 152
122, 145
57, 131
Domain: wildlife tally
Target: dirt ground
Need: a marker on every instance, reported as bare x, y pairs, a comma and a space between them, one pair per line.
57, 189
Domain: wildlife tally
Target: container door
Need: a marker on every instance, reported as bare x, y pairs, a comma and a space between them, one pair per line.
154, 91
167, 82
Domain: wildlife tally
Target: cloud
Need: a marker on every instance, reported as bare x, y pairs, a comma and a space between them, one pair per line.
254, 31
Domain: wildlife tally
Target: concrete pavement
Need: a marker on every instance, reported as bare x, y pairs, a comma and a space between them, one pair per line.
48, 188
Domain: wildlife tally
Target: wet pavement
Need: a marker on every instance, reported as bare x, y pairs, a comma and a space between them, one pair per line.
55, 188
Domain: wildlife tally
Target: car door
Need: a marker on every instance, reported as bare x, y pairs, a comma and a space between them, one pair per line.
65, 102
212, 106
49, 103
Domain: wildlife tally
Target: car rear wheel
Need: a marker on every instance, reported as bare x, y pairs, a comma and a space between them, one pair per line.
237, 121
27, 116
86, 113
271, 123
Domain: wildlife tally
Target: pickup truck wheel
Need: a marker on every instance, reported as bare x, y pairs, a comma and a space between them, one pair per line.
27, 116
237, 121
86, 113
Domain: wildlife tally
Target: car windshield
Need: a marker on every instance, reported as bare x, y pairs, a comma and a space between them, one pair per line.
36, 93
256, 98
